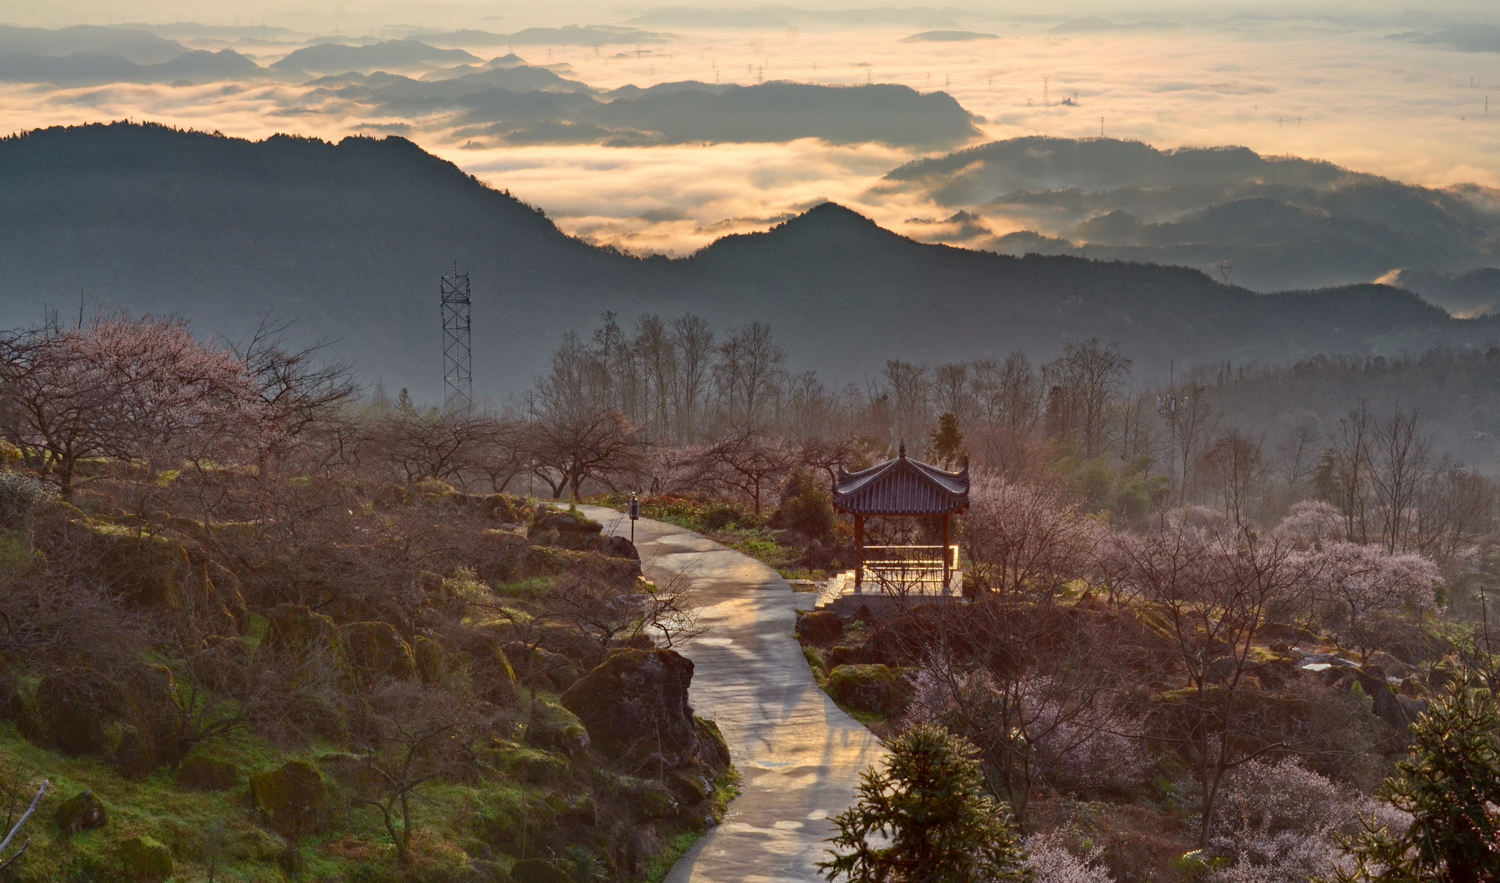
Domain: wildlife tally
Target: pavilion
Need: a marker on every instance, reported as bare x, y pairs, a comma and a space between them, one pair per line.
909, 573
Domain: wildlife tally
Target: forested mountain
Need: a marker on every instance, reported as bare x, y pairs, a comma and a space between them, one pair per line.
1269, 223
349, 240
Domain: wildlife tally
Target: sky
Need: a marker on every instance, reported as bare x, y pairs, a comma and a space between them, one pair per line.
1322, 80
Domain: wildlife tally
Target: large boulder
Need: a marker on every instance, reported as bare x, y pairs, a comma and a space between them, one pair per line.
292, 800
432, 660
873, 689
566, 522
375, 650
72, 708
499, 554
81, 812
203, 773
820, 627
145, 860
555, 728
635, 706
301, 644
150, 570
136, 720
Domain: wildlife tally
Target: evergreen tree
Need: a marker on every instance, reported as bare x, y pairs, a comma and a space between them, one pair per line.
1450, 783
947, 444
929, 817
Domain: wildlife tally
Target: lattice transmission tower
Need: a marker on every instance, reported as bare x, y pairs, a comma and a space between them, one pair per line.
458, 368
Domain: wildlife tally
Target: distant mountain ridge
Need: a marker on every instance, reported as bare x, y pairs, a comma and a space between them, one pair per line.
1268, 222
350, 238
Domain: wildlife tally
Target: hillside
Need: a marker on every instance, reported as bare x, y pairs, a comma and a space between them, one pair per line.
1270, 223
349, 240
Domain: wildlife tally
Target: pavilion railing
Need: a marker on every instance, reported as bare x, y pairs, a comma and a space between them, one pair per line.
911, 569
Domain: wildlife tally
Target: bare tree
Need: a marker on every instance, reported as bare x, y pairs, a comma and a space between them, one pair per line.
748, 465
420, 734
447, 447
1401, 468
1235, 463
748, 377
910, 393
1296, 452
568, 450
1344, 475
16, 829
1208, 592
300, 391
693, 349
1085, 382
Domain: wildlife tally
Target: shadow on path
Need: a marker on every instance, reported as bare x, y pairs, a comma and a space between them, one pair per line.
799, 756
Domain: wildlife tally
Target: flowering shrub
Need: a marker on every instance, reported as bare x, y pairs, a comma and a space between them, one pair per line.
20, 496
1025, 536
1280, 823
1067, 744
1359, 585
1312, 521
1051, 861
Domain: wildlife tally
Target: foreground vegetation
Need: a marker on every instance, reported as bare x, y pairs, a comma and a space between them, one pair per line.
281, 631
233, 658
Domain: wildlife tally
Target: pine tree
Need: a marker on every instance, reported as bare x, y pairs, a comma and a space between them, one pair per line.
1449, 783
931, 819
947, 444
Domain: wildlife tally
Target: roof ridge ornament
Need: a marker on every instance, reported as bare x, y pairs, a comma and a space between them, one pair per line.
903, 449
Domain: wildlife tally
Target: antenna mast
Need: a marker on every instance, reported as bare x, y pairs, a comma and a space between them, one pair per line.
458, 374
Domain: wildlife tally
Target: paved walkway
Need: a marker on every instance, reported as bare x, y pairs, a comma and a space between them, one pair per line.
798, 755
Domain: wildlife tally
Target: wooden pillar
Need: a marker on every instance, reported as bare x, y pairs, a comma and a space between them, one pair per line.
859, 551
947, 539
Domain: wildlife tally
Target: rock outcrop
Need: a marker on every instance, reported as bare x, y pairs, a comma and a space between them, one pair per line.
292, 800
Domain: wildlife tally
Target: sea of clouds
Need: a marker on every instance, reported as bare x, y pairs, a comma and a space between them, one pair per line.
1357, 90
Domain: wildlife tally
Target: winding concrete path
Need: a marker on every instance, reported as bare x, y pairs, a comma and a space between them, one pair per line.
798, 755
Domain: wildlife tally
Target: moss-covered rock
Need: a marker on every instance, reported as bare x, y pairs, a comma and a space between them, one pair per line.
820, 627
81, 812
72, 708
135, 719
431, 660
224, 663
489, 668
300, 643
555, 727
203, 773
375, 650
534, 766
874, 689
498, 557
145, 860
635, 705
133, 754
292, 800
535, 870
150, 570
563, 521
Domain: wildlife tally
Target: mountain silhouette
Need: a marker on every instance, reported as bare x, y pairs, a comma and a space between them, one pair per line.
349, 239
1279, 222
337, 58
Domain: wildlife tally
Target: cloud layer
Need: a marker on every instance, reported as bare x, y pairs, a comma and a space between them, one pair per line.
1336, 90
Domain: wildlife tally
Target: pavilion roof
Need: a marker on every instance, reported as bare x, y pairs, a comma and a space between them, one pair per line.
902, 487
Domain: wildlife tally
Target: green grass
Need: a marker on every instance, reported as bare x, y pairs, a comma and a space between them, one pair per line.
726, 788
